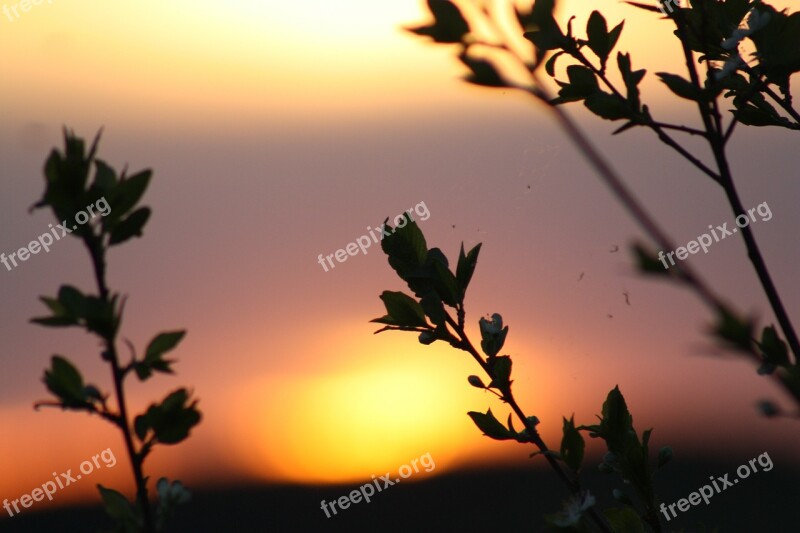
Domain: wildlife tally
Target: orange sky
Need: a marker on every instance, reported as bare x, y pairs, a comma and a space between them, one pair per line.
281, 130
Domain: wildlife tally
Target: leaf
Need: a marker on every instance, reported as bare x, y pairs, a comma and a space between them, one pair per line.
105, 178
600, 40
449, 25
736, 331
404, 310
446, 285
681, 86
127, 194
484, 72
778, 45
72, 300
490, 426
607, 106
406, 248
646, 7
432, 307
162, 343
116, 505
130, 227
773, 349
624, 519
572, 444
550, 65
762, 115
547, 35
615, 412
647, 262
631, 78
54, 321
582, 83
173, 419
466, 268
613, 36
501, 372
65, 382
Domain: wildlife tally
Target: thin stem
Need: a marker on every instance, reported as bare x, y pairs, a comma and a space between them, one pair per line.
760, 266
626, 198
657, 127
678, 127
717, 140
98, 263
572, 484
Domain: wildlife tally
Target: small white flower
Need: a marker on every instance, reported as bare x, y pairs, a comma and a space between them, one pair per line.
573, 510
176, 493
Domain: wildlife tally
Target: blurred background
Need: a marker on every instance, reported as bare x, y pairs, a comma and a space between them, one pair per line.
279, 131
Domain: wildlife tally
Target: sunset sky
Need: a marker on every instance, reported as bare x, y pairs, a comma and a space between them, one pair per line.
278, 131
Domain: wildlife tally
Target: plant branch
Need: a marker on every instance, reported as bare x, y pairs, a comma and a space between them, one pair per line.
646, 120
717, 142
572, 484
96, 251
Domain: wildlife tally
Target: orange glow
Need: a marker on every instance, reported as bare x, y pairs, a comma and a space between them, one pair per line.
356, 422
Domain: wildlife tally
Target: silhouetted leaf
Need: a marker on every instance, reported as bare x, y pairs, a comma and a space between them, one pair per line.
778, 45
600, 40
449, 25
773, 349
127, 194
624, 519
648, 263
119, 508
572, 444
403, 310
547, 35
736, 331
162, 343
646, 7
105, 178
608, 106
64, 381
432, 306
406, 248
680, 86
500, 368
582, 83
632, 78
484, 72
466, 268
490, 426
172, 420
130, 227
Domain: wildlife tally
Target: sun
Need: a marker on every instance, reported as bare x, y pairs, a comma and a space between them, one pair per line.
369, 418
